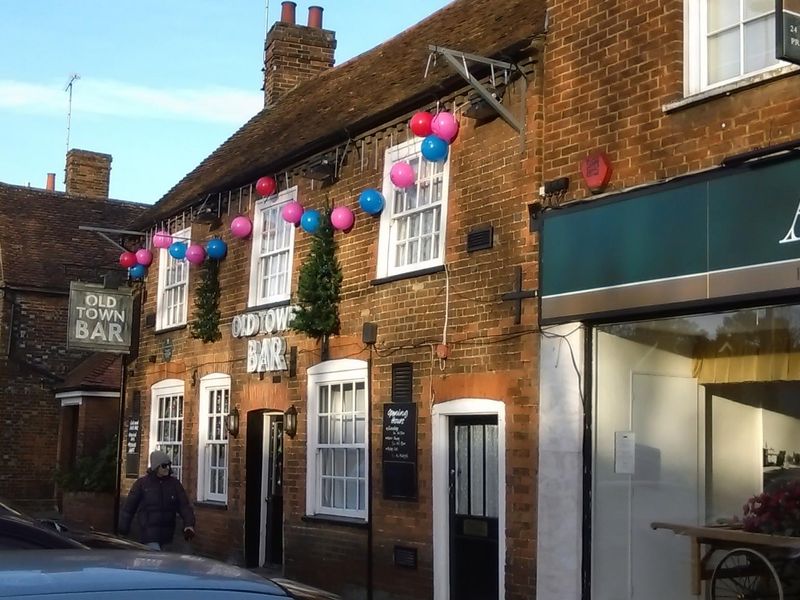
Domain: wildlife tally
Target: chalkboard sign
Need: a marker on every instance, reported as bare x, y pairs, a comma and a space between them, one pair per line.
787, 31
132, 448
400, 451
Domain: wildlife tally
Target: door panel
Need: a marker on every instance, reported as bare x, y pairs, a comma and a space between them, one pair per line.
473, 508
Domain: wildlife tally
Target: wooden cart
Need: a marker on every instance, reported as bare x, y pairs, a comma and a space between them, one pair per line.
738, 564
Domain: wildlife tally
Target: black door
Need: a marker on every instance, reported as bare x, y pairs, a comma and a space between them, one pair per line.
264, 489
473, 508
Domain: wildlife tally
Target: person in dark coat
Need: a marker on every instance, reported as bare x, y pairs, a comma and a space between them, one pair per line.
157, 497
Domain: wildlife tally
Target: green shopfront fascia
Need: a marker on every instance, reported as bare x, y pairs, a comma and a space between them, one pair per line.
679, 419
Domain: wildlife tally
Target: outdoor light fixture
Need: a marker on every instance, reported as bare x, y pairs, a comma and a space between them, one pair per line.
321, 170
207, 216
290, 421
232, 422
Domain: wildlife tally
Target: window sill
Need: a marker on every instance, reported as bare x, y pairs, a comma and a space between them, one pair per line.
409, 275
730, 88
331, 520
209, 504
268, 305
170, 329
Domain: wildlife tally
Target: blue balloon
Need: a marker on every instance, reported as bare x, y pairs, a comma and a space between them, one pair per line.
371, 201
137, 271
177, 250
216, 249
434, 148
310, 221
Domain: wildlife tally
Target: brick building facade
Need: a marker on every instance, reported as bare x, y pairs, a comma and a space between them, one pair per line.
695, 116
451, 354
43, 250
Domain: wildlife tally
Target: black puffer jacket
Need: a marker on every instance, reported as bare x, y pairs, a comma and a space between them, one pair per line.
156, 499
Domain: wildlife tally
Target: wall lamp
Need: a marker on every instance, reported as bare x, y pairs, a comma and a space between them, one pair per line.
232, 422
290, 421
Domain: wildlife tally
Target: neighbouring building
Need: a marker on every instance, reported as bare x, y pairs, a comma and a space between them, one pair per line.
52, 410
669, 293
402, 455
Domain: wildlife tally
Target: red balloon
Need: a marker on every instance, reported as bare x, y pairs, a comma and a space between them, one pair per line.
421, 123
266, 186
127, 259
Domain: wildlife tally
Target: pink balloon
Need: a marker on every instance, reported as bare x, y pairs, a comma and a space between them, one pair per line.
195, 254
241, 227
402, 174
342, 218
144, 257
162, 239
292, 212
445, 126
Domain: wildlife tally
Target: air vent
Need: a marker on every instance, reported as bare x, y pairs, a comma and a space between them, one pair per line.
405, 557
150, 320
480, 238
402, 382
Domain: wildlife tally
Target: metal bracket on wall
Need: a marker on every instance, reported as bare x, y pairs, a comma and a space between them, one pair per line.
102, 231
458, 60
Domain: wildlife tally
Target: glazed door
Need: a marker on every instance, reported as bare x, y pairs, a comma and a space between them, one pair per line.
474, 512
272, 492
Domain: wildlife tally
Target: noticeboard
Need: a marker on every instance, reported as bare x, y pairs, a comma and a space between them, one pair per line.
787, 30
399, 435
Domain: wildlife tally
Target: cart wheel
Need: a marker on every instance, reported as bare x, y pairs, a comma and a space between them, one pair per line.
744, 574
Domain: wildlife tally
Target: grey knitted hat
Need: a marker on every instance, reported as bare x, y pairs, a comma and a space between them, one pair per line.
158, 458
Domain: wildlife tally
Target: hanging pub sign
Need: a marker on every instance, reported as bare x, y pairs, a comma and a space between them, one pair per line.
787, 30
400, 451
100, 319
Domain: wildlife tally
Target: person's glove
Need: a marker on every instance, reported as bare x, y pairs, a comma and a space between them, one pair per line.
188, 533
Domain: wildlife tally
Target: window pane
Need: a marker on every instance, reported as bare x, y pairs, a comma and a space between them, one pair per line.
492, 458
338, 462
723, 56
756, 8
327, 493
476, 471
759, 44
323, 430
351, 497
722, 13
338, 493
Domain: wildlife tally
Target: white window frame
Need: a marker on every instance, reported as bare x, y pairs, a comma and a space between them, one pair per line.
215, 383
165, 317
324, 374
276, 204
389, 226
168, 388
695, 54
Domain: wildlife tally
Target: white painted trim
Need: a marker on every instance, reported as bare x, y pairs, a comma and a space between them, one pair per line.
71, 401
213, 381
185, 235
86, 394
280, 199
330, 371
404, 151
441, 497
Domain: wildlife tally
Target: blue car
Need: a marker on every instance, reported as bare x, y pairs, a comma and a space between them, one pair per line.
128, 575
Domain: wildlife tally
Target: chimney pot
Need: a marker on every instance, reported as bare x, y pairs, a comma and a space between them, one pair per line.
51, 182
287, 12
315, 17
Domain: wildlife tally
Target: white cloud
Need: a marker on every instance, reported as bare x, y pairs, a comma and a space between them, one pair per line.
118, 99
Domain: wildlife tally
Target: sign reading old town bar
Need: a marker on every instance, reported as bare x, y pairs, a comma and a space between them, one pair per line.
787, 30
100, 319
267, 353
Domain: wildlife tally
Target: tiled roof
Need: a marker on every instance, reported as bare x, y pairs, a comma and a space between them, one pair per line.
357, 96
41, 245
98, 372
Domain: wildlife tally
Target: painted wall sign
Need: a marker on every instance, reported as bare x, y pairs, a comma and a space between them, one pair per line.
268, 353
787, 31
400, 450
99, 319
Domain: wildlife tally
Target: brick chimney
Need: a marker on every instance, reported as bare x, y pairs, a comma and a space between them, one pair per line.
295, 53
88, 173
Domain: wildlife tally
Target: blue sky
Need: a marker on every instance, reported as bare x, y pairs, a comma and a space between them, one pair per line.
162, 82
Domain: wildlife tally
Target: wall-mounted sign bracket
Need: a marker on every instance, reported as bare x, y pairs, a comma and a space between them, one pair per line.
458, 60
102, 231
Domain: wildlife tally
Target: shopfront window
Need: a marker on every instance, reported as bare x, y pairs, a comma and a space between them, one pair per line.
692, 416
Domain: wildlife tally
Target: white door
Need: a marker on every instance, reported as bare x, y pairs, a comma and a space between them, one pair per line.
665, 485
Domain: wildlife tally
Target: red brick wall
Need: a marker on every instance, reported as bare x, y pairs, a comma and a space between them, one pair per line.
492, 179
88, 173
98, 422
612, 66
